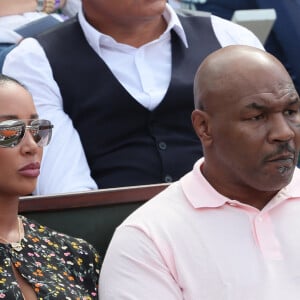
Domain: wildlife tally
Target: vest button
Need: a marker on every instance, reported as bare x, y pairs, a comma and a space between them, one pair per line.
168, 178
162, 146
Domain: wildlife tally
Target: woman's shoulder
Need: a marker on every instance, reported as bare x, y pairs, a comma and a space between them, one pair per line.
33, 230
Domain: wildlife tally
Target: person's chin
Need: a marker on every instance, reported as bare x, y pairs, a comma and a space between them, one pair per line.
280, 173
27, 187
282, 167
26, 192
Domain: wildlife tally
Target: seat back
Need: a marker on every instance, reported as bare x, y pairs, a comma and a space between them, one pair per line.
92, 215
259, 21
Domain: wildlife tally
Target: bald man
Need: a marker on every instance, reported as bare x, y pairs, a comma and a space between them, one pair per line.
229, 229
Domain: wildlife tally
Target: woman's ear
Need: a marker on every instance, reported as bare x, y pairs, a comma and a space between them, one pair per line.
202, 126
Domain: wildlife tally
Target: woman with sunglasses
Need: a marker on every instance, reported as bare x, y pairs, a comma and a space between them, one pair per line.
35, 261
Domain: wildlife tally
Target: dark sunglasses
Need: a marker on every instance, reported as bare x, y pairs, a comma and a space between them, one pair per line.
13, 131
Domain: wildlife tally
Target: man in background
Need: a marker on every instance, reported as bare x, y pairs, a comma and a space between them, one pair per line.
117, 83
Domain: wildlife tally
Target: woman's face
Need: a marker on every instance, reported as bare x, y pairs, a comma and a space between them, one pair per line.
19, 165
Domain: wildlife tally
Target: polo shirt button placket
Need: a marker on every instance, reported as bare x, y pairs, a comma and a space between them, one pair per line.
260, 219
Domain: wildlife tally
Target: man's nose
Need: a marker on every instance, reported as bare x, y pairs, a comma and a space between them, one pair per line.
280, 129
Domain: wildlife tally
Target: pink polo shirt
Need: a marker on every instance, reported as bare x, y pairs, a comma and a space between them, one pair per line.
192, 243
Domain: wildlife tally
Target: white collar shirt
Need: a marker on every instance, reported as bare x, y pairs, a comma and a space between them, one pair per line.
145, 72
147, 82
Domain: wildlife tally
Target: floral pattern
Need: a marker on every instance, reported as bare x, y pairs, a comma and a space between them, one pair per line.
56, 265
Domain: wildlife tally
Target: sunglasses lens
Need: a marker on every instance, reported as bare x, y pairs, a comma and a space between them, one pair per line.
11, 133
41, 131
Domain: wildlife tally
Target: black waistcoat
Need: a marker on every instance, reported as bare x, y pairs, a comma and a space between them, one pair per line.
126, 144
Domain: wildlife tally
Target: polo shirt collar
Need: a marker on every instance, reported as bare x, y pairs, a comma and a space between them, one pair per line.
198, 190
201, 194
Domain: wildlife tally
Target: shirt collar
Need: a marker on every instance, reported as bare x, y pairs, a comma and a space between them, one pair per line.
93, 36
174, 23
201, 194
198, 190
291, 191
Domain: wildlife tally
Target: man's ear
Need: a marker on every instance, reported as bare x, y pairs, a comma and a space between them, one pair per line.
202, 126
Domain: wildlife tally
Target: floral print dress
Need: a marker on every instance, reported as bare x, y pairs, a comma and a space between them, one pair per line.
56, 265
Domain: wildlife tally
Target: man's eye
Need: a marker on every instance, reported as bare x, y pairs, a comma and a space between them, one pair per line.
290, 112
257, 117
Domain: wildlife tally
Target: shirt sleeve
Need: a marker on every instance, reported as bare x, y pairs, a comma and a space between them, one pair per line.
229, 33
64, 166
133, 269
71, 7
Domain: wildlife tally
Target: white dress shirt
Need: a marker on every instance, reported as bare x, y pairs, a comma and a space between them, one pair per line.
145, 72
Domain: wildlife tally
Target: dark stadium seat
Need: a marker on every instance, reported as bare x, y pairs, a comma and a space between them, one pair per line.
92, 215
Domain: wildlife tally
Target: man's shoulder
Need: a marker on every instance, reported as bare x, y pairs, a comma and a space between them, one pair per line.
65, 28
226, 31
62, 38
167, 205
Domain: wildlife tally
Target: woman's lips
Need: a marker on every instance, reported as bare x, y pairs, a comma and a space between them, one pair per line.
30, 170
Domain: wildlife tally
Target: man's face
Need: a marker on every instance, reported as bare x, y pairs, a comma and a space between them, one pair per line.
256, 133
125, 9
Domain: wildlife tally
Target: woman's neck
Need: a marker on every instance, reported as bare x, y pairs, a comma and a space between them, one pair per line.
9, 227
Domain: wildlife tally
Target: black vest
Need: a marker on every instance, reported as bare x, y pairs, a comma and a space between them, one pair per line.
126, 144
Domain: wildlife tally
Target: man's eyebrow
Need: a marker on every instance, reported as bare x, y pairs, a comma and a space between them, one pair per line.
255, 105
294, 101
